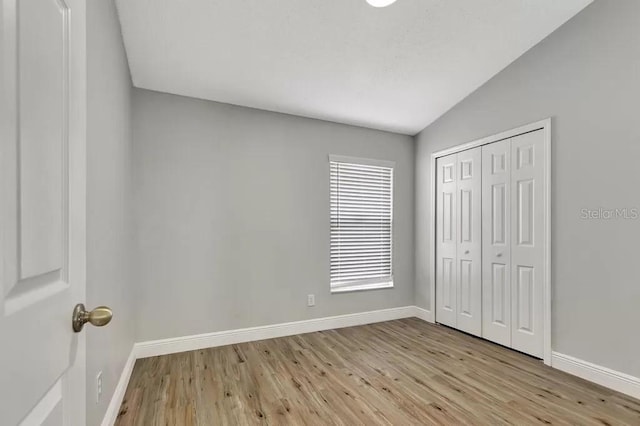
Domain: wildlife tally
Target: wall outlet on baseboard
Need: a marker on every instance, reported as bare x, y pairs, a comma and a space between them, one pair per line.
311, 300
98, 386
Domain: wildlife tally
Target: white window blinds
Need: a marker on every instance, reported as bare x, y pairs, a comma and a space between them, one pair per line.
361, 223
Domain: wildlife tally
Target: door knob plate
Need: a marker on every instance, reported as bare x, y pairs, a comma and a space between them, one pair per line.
98, 317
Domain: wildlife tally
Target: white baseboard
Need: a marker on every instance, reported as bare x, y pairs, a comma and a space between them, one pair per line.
221, 338
604, 376
424, 314
118, 394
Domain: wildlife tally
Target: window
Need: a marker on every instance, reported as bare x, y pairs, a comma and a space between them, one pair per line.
361, 224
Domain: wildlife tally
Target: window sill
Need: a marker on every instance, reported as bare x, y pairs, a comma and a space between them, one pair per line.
362, 287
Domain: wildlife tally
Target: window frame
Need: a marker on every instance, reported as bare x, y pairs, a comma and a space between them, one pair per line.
372, 283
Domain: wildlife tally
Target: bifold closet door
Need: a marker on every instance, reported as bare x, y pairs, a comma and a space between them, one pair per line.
490, 241
446, 240
496, 242
527, 242
469, 265
459, 244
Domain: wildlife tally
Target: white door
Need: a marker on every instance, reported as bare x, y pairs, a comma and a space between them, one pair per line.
42, 211
496, 250
527, 242
446, 240
469, 233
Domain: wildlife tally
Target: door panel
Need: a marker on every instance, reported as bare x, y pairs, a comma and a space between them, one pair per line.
448, 284
466, 215
49, 411
525, 301
525, 208
448, 218
469, 290
43, 210
43, 27
496, 276
446, 240
466, 283
499, 302
527, 251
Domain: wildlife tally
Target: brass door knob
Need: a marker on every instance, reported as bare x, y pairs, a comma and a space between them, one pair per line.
99, 317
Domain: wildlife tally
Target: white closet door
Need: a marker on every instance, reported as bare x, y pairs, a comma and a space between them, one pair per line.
496, 275
446, 247
527, 242
469, 270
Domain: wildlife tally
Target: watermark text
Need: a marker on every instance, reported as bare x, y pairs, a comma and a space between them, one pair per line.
625, 213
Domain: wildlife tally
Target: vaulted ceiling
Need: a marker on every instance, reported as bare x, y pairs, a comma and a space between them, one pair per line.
396, 68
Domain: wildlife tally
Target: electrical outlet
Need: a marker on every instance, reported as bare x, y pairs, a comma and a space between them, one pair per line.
311, 300
98, 386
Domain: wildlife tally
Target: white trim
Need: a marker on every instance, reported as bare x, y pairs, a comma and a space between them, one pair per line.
424, 314
347, 288
229, 337
118, 394
544, 125
359, 160
604, 376
546, 292
527, 128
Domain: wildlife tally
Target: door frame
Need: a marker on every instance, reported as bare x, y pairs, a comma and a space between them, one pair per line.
545, 126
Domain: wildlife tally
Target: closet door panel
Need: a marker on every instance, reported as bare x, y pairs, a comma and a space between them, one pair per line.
496, 276
527, 239
469, 266
446, 240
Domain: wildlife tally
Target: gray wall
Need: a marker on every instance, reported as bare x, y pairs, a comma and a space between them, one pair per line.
586, 76
109, 204
232, 211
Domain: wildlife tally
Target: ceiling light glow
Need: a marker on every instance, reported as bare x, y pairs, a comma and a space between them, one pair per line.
380, 3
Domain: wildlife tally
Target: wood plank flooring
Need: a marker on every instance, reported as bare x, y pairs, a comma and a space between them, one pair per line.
402, 372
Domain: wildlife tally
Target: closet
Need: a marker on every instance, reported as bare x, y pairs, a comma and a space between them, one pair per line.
490, 241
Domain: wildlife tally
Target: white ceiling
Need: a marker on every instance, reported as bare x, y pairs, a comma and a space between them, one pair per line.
396, 68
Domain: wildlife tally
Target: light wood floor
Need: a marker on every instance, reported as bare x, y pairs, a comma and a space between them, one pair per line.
399, 372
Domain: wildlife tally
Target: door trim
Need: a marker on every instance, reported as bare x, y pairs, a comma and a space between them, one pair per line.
545, 126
